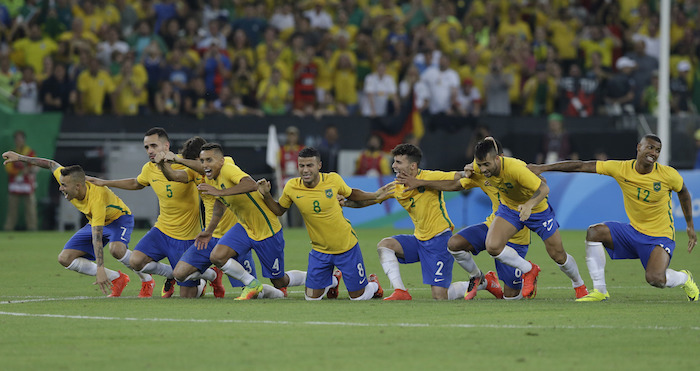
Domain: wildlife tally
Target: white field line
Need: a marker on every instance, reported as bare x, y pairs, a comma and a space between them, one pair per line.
346, 324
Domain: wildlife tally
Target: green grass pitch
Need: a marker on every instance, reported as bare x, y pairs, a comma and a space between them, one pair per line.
55, 319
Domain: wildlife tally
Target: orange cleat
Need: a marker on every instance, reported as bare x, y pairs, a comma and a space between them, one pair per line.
493, 286
399, 295
168, 287
333, 291
474, 283
581, 291
284, 290
118, 285
147, 289
530, 282
380, 291
216, 285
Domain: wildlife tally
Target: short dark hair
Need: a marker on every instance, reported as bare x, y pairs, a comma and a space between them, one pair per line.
74, 171
158, 131
413, 153
213, 147
191, 148
484, 147
310, 152
653, 137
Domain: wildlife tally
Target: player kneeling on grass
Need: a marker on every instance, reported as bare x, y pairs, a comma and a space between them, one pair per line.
646, 190
109, 219
333, 240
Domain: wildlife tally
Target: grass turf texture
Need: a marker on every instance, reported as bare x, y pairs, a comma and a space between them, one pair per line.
639, 327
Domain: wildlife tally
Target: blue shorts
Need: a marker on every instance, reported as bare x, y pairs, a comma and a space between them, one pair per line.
629, 243
320, 271
270, 251
201, 260
157, 246
476, 236
542, 223
116, 231
436, 261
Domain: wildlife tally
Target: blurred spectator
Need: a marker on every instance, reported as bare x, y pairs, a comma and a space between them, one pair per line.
283, 20
289, 154
442, 86
443, 22
31, 50
497, 85
598, 38
9, 77
644, 67
650, 100
78, 37
217, 68
168, 100
619, 89
650, 36
213, 10
345, 87
556, 145
562, 30
539, 93
343, 28
239, 46
112, 44
170, 33
468, 99
58, 91
198, 101
680, 91
514, 26
93, 86
250, 23
274, 94
430, 54
380, 92
128, 16
27, 92
318, 17
21, 184
143, 37
305, 73
213, 36
154, 65
243, 81
372, 161
130, 89
577, 93
176, 72
329, 148
474, 71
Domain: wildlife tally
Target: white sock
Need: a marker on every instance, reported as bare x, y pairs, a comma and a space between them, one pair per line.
675, 278
510, 257
236, 270
571, 270
595, 260
269, 292
84, 266
159, 269
457, 290
308, 298
296, 278
370, 289
390, 263
466, 261
209, 275
517, 297
145, 277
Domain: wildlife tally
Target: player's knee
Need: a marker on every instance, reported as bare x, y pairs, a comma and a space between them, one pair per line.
388, 243
64, 259
180, 274
456, 244
656, 279
596, 232
136, 263
117, 250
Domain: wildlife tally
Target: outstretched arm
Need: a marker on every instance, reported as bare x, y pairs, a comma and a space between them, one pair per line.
195, 165
170, 173
687, 206
379, 195
412, 183
572, 166
11, 156
264, 188
246, 185
130, 184
101, 279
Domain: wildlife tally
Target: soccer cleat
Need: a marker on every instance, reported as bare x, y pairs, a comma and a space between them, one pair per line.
284, 291
581, 291
251, 291
333, 291
399, 295
147, 289
201, 288
119, 283
691, 289
594, 295
530, 281
493, 286
380, 290
216, 285
474, 283
168, 287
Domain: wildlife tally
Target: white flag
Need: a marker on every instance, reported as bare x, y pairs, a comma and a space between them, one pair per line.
273, 147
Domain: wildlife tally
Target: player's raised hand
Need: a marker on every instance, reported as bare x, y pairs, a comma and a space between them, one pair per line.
264, 186
384, 191
692, 238
525, 212
102, 281
408, 181
468, 170
10, 156
170, 156
341, 199
202, 240
160, 157
208, 189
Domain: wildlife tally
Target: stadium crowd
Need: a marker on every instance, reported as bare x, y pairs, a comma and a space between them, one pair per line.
343, 57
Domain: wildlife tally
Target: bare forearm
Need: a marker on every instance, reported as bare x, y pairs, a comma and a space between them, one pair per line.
217, 213
246, 185
130, 184
359, 204
440, 185
97, 245
174, 175
539, 195
195, 165
40, 162
273, 205
572, 166
686, 201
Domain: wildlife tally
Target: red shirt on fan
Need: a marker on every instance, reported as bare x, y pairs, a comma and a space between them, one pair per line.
305, 84
289, 155
21, 179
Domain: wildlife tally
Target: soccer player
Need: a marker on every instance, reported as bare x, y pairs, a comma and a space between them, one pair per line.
109, 219
472, 240
178, 223
433, 228
333, 241
257, 228
523, 203
650, 237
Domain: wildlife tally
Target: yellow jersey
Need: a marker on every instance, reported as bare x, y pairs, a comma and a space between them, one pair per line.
100, 205
93, 90
179, 216
426, 206
522, 237
250, 209
647, 197
515, 184
328, 229
228, 219
34, 52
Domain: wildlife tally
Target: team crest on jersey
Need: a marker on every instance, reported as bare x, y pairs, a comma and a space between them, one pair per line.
329, 193
657, 186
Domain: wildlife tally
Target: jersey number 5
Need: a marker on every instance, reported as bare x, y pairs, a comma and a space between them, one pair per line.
169, 191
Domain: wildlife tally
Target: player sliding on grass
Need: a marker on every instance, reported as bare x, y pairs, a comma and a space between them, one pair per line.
523, 203
333, 241
109, 219
472, 240
646, 190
